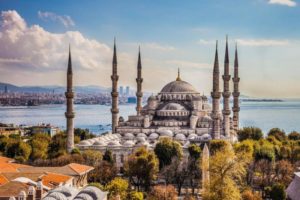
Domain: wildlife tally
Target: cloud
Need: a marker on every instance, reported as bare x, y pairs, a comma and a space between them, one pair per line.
261, 42
290, 3
32, 48
251, 42
65, 19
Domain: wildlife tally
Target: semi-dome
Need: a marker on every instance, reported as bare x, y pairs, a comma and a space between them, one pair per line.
128, 136
128, 143
178, 86
100, 143
153, 136
173, 106
180, 137
167, 133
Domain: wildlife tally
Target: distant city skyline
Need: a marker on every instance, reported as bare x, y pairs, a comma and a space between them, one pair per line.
34, 39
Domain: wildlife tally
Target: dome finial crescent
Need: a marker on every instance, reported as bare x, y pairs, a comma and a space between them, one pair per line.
178, 75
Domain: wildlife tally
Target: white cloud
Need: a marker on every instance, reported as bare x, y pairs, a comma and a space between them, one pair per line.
290, 3
262, 42
251, 42
33, 48
65, 19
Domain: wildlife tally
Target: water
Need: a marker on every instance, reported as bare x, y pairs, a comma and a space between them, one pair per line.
266, 115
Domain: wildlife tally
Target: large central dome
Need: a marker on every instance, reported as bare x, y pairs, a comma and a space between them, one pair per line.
178, 86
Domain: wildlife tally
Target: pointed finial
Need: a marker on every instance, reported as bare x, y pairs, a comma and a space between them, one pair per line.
226, 51
139, 59
70, 71
216, 44
178, 75
115, 52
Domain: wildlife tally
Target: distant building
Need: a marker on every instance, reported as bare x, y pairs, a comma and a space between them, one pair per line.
44, 129
127, 91
5, 89
131, 100
121, 90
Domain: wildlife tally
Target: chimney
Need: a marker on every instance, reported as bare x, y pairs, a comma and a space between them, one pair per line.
22, 195
31, 193
39, 190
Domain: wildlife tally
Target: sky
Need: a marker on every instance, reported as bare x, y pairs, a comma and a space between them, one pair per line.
172, 34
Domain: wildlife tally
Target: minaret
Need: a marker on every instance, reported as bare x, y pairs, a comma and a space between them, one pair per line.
69, 113
226, 94
139, 80
114, 93
216, 95
236, 93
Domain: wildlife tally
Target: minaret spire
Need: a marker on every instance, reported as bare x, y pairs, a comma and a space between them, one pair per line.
139, 80
69, 100
216, 95
226, 94
236, 93
114, 93
178, 75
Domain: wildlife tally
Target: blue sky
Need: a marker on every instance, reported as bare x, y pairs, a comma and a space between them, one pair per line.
171, 33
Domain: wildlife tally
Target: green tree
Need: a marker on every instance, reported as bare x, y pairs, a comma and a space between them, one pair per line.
142, 168
264, 150
166, 149
193, 167
103, 173
277, 133
83, 134
226, 169
92, 157
252, 133
278, 192
217, 145
134, 195
39, 144
294, 136
108, 156
57, 146
18, 150
118, 187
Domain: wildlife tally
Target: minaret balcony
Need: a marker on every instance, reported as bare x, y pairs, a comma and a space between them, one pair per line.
226, 112
226, 94
69, 114
235, 94
69, 95
114, 77
226, 77
114, 94
235, 109
216, 95
114, 110
139, 94
139, 80
236, 79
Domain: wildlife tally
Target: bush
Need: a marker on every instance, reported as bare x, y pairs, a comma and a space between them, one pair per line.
277, 133
249, 195
278, 192
294, 136
252, 133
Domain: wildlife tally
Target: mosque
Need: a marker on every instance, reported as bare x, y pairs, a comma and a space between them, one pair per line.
178, 111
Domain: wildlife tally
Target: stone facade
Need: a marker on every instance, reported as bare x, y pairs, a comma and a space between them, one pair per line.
178, 111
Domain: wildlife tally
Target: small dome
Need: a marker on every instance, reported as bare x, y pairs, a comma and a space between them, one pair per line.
167, 133
206, 118
141, 139
129, 136
173, 106
142, 135
84, 143
114, 143
178, 86
152, 98
180, 136
192, 136
145, 143
153, 136
99, 143
206, 136
128, 143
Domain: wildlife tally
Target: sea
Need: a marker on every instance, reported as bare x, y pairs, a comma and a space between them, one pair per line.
97, 118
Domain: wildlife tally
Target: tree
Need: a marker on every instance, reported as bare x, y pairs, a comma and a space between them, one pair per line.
103, 173
226, 169
284, 172
252, 133
278, 192
166, 149
57, 146
193, 167
163, 192
134, 195
39, 144
250, 195
264, 150
108, 156
118, 187
142, 168
92, 157
294, 135
18, 150
277, 133
217, 145
83, 134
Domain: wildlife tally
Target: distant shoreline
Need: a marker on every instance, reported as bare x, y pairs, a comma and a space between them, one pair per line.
262, 100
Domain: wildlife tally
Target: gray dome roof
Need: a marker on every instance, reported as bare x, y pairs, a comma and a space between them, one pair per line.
178, 87
173, 106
